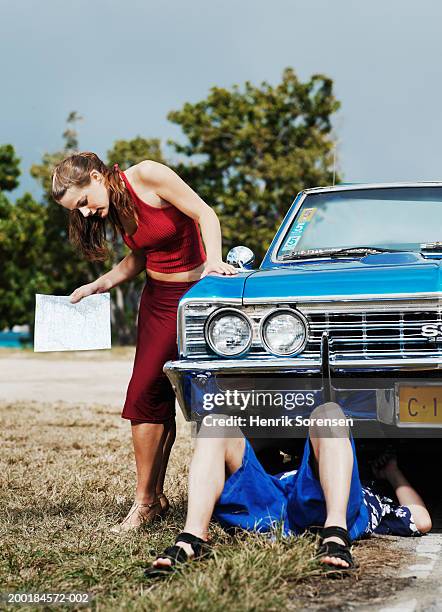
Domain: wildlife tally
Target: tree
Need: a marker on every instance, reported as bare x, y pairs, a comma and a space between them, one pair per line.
127, 153
9, 168
250, 150
24, 259
22, 246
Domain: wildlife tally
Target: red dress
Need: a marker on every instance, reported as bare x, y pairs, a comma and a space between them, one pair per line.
172, 243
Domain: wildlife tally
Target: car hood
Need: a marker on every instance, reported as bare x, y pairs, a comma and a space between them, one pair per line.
378, 274
220, 287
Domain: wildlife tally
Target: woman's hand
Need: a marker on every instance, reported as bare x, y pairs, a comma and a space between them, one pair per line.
219, 266
98, 286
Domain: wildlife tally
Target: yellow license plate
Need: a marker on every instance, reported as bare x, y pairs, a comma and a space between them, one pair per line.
420, 405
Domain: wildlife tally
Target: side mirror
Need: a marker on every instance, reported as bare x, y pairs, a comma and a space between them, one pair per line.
241, 257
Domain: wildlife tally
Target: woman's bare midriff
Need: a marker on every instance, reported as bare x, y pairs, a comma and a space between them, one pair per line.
188, 275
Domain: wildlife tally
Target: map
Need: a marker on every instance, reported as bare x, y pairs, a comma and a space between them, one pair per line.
62, 326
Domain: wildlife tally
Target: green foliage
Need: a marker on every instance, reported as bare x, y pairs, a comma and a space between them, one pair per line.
24, 257
252, 149
127, 153
9, 168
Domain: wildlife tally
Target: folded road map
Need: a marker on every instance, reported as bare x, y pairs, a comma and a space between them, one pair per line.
62, 326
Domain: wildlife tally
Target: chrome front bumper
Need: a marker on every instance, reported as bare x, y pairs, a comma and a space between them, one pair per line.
386, 405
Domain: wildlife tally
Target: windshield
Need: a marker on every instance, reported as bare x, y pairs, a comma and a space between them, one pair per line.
402, 218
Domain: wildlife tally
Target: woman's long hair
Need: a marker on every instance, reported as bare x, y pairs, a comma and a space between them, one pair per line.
88, 234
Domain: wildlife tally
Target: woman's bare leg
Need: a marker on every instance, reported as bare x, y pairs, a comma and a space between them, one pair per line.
148, 440
169, 439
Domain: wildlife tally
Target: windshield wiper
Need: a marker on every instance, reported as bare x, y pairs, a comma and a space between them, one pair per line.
359, 250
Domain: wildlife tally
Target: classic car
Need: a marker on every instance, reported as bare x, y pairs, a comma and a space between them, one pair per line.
346, 304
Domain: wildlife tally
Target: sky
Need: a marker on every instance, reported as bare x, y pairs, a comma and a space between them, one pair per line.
124, 65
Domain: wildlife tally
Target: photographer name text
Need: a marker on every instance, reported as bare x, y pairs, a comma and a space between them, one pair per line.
216, 420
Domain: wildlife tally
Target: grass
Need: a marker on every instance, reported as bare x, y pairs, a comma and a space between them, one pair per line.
66, 475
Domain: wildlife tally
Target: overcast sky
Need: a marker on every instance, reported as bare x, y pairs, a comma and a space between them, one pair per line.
123, 65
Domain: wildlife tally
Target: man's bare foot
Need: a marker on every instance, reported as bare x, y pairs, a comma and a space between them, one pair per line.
335, 548
187, 546
334, 561
165, 562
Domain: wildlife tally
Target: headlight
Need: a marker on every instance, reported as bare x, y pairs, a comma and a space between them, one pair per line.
228, 332
284, 332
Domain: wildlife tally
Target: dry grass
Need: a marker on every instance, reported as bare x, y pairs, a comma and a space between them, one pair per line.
67, 475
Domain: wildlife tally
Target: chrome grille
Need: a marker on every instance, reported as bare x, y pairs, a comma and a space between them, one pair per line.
357, 330
373, 334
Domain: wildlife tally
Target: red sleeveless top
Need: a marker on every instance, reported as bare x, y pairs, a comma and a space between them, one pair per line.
170, 238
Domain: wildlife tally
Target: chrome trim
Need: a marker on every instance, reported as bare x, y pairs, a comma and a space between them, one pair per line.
296, 313
181, 328
305, 192
241, 365
385, 403
346, 298
414, 383
238, 313
361, 186
313, 365
302, 196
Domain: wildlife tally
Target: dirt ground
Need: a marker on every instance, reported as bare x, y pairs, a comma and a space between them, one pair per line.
74, 376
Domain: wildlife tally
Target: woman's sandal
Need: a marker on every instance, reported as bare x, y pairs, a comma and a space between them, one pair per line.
125, 526
178, 555
334, 549
165, 505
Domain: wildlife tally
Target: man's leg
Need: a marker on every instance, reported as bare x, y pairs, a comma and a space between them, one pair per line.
334, 462
213, 460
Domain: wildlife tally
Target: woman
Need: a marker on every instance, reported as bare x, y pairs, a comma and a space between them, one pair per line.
157, 215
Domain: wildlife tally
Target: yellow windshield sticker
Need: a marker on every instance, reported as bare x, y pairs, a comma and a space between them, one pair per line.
307, 214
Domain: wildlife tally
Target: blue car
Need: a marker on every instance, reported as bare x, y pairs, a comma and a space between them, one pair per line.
346, 305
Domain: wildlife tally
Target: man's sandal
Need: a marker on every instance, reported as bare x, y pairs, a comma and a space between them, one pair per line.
178, 555
334, 549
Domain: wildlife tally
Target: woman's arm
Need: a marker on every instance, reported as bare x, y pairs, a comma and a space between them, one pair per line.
169, 186
128, 268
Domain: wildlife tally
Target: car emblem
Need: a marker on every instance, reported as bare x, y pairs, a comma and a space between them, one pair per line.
432, 331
